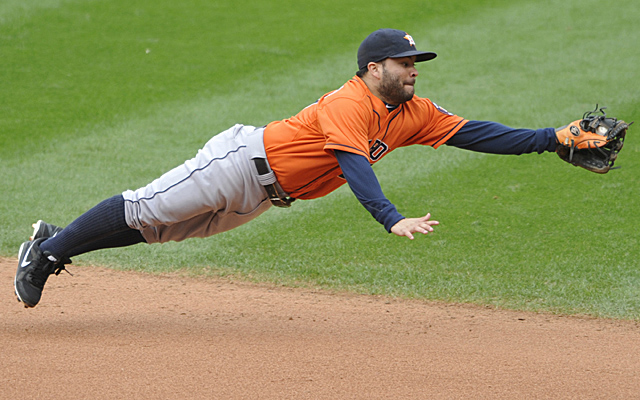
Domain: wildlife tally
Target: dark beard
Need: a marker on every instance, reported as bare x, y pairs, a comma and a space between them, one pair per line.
393, 90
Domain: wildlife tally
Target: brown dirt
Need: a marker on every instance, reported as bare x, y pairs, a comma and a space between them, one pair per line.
105, 334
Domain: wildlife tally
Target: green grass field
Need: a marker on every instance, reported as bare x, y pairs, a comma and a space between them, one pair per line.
101, 96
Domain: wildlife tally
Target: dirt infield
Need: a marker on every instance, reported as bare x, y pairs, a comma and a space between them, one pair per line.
105, 334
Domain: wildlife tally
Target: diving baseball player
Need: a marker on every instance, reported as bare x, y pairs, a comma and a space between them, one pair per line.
243, 171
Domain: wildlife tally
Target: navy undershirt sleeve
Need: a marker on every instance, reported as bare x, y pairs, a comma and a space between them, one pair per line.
492, 137
364, 184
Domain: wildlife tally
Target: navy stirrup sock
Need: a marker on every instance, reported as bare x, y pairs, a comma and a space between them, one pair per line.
120, 239
102, 221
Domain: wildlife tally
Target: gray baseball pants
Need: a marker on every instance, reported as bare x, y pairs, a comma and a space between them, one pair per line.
215, 191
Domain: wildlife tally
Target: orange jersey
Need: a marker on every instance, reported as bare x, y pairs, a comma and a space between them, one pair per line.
300, 148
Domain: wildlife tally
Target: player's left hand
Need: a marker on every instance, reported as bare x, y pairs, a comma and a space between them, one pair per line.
408, 226
593, 142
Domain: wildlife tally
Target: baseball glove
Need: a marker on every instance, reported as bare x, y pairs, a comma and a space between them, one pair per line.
592, 142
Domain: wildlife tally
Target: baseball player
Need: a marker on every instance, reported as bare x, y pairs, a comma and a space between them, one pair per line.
245, 170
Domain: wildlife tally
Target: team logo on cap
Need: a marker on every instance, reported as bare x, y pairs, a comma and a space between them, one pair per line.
410, 39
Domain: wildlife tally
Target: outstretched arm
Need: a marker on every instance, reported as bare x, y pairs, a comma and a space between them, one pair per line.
492, 137
364, 184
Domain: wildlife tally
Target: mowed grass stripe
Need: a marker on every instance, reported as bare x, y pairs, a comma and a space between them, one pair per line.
92, 62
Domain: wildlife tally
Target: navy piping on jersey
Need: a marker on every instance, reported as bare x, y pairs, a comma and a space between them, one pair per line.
346, 147
379, 117
401, 108
312, 181
444, 136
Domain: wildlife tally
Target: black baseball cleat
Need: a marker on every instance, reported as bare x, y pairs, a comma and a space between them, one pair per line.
34, 268
42, 229
45, 230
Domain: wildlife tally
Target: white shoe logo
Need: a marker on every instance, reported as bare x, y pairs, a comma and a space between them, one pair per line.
24, 262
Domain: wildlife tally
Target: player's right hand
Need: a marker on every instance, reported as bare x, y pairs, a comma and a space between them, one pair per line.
408, 226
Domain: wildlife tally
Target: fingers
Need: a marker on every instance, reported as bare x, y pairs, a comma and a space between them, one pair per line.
426, 224
408, 226
426, 219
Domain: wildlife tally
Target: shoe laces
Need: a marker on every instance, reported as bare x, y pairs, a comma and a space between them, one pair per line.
59, 268
39, 275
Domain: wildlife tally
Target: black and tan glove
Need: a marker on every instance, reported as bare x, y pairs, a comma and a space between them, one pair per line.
592, 142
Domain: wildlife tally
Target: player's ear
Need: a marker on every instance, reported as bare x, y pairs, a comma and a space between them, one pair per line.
375, 69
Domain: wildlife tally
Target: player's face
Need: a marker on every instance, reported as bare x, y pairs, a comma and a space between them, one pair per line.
398, 77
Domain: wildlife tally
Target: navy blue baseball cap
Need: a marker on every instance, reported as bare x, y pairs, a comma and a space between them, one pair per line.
389, 43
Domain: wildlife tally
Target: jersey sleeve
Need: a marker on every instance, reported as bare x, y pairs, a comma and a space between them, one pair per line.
440, 123
344, 124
